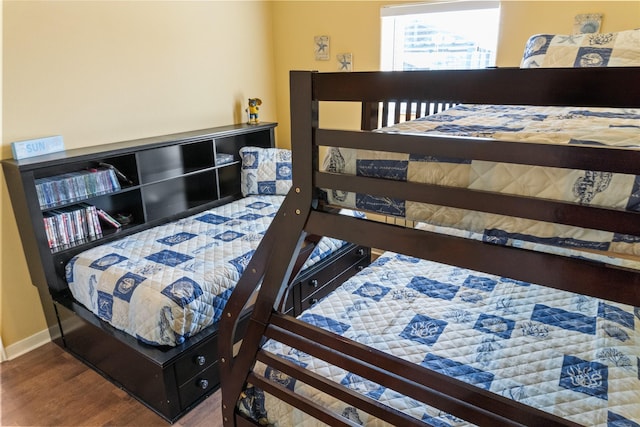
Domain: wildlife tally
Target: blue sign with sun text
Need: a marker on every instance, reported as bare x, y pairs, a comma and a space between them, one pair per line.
37, 147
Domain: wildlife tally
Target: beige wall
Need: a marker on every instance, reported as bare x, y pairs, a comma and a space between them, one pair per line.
104, 71
520, 19
99, 72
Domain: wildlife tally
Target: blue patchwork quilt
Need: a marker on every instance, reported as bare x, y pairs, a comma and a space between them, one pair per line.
575, 356
167, 283
603, 127
619, 49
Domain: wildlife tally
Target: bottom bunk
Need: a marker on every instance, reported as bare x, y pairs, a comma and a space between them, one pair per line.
143, 310
570, 355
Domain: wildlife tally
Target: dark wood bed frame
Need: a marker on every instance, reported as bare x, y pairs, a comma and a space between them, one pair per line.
302, 213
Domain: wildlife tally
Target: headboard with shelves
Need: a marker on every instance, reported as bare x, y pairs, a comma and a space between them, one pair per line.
161, 179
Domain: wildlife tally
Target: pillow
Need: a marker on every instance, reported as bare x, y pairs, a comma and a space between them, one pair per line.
621, 49
265, 170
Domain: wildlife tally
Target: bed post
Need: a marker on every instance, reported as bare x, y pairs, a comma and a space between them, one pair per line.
274, 260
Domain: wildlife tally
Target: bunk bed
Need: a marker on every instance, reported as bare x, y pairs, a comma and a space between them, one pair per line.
364, 355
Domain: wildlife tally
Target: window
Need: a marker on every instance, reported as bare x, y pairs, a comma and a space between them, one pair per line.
440, 36
436, 36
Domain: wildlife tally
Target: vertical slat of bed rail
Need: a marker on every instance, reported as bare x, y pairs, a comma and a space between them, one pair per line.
370, 116
408, 110
385, 114
287, 230
397, 106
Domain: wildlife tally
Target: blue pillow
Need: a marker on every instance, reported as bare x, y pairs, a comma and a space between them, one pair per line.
265, 170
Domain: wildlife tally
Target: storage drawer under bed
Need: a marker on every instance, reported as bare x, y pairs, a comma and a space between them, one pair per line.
200, 384
196, 360
310, 289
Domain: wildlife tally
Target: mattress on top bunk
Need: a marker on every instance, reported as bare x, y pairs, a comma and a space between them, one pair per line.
604, 127
572, 355
167, 283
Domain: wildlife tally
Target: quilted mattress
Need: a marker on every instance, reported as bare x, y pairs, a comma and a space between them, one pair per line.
575, 356
167, 283
554, 125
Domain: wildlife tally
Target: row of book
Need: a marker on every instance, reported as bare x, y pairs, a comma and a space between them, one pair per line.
75, 186
70, 226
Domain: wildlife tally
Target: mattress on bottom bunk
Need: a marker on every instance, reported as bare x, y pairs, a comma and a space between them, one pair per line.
603, 127
575, 356
167, 283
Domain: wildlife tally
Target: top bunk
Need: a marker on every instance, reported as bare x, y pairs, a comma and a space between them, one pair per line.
582, 241
599, 88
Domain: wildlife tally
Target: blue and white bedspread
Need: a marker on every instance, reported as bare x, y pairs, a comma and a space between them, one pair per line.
167, 283
603, 127
575, 356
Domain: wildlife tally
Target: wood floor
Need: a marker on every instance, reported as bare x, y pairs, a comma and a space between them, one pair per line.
49, 387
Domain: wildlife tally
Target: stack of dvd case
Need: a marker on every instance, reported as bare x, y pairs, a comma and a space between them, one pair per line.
72, 225
75, 186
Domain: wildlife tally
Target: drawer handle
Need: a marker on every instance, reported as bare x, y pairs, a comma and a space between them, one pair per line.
203, 383
314, 283
201, 360
360, 251
312, 301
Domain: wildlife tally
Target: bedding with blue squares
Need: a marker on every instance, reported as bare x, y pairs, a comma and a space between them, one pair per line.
518, 124
572, 355
167, 283
618, 49
265, 171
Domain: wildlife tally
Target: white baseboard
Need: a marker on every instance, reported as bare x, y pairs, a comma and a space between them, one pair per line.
26, 345
3, 354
